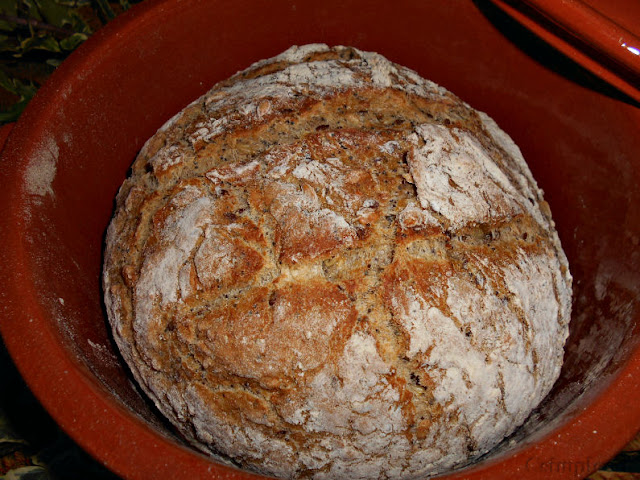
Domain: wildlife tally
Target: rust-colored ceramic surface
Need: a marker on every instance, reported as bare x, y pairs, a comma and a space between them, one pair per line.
601, 35
68, 154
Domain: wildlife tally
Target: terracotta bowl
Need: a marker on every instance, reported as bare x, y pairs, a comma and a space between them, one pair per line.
68, 154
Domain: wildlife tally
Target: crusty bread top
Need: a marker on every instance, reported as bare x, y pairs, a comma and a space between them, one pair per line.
330, 267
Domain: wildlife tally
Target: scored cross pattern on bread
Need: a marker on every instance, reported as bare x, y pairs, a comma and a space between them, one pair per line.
329, 267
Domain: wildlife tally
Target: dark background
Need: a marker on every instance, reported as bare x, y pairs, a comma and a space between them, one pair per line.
35, 37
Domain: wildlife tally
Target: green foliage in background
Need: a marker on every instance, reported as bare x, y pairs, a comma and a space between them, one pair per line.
36, 36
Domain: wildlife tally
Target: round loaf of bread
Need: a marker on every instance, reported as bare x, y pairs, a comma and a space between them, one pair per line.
328, 267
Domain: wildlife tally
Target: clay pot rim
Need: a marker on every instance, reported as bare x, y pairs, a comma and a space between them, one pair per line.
119, 439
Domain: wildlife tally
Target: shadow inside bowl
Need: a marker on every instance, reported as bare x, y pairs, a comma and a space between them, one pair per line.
80, 136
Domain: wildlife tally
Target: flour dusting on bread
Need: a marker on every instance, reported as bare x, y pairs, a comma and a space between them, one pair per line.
328, 267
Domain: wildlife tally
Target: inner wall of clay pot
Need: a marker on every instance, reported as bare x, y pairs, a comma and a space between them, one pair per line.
580, 145
590, 179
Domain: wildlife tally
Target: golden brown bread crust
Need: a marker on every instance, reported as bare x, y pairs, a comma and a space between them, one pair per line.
329, 267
